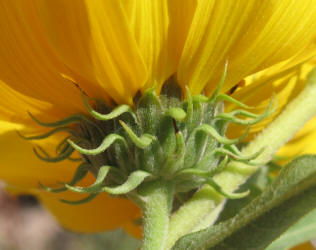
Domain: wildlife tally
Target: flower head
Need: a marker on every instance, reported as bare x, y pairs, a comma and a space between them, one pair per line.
51, 51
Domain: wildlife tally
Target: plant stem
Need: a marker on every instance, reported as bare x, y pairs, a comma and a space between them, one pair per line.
192, 213
279, 132
156, 210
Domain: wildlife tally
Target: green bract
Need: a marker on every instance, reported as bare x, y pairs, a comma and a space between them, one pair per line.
165, 137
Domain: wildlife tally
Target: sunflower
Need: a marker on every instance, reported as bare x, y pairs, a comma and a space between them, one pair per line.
53, 51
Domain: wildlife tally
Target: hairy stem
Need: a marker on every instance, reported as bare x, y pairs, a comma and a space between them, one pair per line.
192, 213
156, 210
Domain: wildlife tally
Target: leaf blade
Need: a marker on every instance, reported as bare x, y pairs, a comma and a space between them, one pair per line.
289, 197
304, 230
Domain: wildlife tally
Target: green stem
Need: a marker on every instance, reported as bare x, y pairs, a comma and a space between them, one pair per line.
191, 214
156, 210
280, 131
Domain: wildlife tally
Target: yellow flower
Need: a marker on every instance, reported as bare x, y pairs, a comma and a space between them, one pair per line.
302, 143
50, 50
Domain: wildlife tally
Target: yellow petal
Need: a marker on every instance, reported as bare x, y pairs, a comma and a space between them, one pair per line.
94, 40
251, 35
27, 63
14, 108
306, 56
23, 171
304, 246
134, 229
8, 126
20, 167
278, 87
160, 28
102, 213
304, 142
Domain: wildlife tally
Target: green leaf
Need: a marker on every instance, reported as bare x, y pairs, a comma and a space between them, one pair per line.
106, 143
256, 184
116, 112
304, 230
142, 142
96, 186
176, 113
132, 182
288, 198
